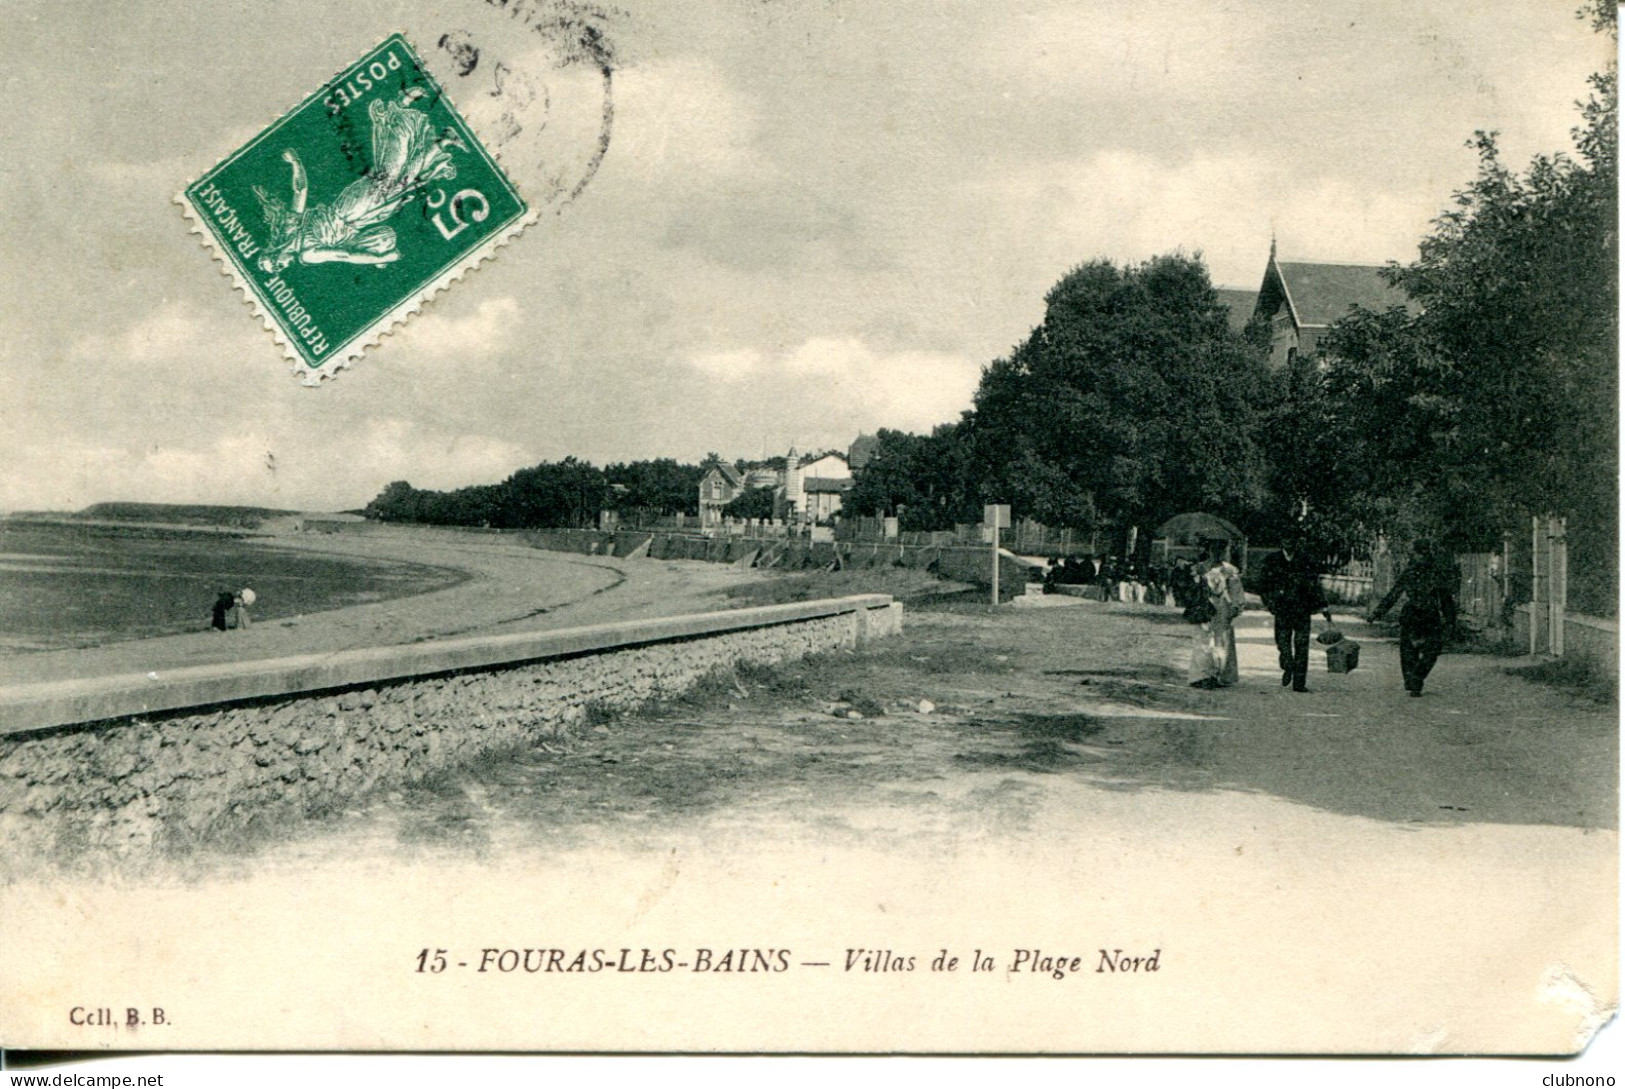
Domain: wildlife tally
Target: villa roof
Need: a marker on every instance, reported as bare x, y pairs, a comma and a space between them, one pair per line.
1241, 302
729, 473
1321, 294
862, 449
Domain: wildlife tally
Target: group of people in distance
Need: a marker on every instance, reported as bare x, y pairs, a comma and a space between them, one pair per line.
1113, 578
1289, 585
231, 609
1209, 592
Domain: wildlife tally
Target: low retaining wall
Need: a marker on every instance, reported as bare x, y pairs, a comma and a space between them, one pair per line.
959, 563
126, 761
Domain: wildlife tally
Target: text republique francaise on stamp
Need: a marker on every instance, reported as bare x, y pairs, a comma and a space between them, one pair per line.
340, 219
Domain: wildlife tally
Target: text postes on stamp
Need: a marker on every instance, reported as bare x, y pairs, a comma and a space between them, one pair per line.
340, 219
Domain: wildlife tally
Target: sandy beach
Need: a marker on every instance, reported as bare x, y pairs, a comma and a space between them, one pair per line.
511, 587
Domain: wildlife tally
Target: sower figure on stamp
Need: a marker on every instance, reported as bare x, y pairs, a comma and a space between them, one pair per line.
1290, 587
1429, 584
407, 155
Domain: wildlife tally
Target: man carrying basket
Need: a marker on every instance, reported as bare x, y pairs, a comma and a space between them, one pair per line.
1290, 587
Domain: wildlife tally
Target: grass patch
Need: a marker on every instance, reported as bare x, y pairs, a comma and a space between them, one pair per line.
1583, 677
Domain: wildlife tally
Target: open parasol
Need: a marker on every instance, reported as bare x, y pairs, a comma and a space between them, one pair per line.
1196, 527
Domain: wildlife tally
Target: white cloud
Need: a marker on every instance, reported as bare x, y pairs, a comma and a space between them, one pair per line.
430, 457
680, 121
730, 366
171, 331
1129, 206
836, 357
487, 331
172, 173
841, 385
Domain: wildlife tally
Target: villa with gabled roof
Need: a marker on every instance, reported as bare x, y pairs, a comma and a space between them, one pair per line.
720, 485
1302, 299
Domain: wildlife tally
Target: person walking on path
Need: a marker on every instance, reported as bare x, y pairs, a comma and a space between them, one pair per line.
1429, 584
1290, 587
1219, 597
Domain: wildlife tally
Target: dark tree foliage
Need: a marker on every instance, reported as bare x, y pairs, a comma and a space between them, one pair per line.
564, 493
1498, 398
1357, 448
396, 503
922, 480
1133, 401
751, 503
777, 464
664, 486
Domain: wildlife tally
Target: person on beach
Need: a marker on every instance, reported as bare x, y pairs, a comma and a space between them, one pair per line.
241, 602
223, 602
1218, 597
1429, 584
1290, 587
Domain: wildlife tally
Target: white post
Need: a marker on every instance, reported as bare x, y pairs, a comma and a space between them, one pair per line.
995, 515
995, 562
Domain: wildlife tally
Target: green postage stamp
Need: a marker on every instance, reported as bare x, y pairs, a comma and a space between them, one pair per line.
367, 198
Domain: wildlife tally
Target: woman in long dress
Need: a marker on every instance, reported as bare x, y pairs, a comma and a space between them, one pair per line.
1213, 654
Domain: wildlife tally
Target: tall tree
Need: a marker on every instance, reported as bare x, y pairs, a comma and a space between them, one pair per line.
1132, 401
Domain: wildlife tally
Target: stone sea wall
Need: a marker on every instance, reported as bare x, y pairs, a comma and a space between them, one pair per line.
186, 771
960, 563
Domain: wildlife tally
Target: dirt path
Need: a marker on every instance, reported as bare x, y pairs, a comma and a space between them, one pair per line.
512, 587
1032, 716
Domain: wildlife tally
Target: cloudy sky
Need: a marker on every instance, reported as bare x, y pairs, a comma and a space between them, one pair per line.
815, 217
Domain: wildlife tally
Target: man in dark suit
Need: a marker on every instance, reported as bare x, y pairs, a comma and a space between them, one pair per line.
1290, 587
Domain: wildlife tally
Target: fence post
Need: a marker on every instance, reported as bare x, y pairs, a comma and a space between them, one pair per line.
1557, 567
1535, 576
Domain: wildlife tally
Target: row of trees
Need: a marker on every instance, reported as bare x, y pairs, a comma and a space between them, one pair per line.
571, 493
561, 493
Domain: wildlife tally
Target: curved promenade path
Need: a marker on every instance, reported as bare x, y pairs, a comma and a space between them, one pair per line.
512, 587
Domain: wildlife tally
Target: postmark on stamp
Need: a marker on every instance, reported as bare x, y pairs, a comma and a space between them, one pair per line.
338, 221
